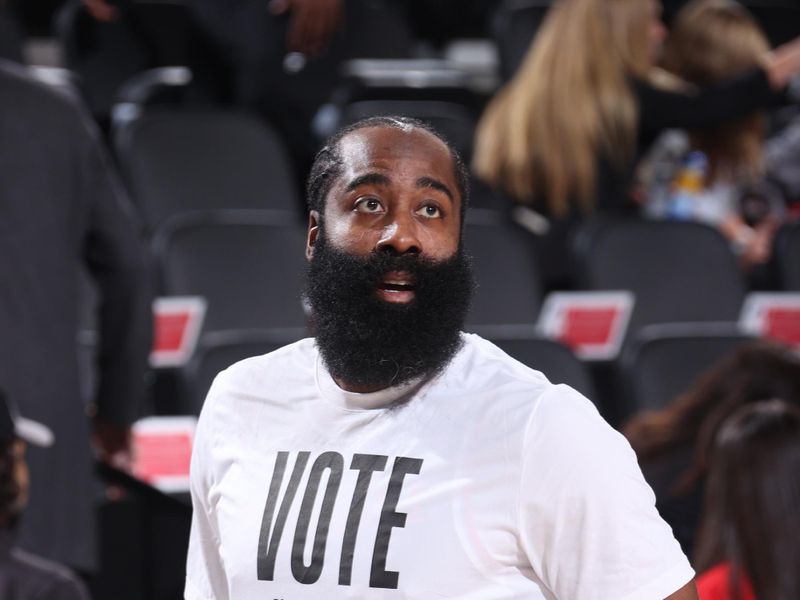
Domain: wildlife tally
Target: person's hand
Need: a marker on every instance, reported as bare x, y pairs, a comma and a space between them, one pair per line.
312, 23
112, 443
100, 10
783, 63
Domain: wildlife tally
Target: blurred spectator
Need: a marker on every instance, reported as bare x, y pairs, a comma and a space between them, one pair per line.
783, 162
24, 576
62, 209
749, 543
712, 40
673, 444
10, 35
564, 135
279, 51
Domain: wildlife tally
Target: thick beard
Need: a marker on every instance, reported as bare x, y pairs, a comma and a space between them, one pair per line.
368, 343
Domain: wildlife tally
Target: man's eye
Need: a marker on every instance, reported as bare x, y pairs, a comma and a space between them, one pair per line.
368, 205
431, 211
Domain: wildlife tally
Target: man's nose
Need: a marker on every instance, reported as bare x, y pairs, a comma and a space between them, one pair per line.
400, 235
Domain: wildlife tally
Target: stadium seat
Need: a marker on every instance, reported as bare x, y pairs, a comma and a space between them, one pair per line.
664, 360
514, 26
787, 254
678, 271
509, 292
177, 161
249, 266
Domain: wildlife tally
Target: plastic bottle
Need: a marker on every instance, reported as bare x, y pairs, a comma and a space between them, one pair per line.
687, 186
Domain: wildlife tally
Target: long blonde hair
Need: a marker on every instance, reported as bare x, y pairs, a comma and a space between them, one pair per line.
710, 41
570, 102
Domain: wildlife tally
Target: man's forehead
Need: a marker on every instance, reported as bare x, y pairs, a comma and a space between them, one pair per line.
383, 147
370, 143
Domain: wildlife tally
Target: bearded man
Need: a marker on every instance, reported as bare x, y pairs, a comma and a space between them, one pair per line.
395, 457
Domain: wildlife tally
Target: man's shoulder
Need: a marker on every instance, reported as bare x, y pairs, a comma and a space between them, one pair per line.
485, 370
292, 361
481, 364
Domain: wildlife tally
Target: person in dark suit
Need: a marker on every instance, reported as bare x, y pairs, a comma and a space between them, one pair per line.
24, 576
62, 210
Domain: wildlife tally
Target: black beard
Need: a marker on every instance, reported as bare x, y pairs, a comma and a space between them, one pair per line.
368, 343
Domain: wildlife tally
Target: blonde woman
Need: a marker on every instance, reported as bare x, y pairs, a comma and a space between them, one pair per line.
563, 136
710, 41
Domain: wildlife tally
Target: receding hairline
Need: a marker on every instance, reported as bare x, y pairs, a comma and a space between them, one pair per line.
408, 129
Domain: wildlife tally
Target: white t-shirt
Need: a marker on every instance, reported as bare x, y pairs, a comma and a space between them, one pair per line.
486, 482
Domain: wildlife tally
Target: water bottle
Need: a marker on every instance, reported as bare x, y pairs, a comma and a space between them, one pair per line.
687, 186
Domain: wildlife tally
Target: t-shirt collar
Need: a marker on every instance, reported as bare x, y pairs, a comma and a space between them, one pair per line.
362, 401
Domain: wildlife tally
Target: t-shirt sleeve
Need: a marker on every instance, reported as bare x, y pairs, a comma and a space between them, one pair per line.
589, 524
205, 571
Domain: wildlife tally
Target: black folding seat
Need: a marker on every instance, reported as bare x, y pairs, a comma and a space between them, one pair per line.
664, 360
678, 271
514, 26
248, 265
787, 254
184, 160
509, 292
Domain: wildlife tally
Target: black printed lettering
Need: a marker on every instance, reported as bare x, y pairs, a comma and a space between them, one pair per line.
270, 537
390, 518
333, 462
366, 465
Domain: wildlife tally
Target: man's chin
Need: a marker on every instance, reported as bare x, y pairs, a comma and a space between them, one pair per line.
385, 320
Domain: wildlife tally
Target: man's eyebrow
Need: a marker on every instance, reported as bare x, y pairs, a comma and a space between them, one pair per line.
367, 179
429, 182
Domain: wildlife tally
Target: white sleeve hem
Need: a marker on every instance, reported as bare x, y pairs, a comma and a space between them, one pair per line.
668, 583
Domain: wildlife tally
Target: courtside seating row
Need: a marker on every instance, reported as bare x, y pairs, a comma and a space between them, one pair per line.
242, 262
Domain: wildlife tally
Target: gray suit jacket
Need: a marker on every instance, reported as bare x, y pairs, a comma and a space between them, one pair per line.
62, 210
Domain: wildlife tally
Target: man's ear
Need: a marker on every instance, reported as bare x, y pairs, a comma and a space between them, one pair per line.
313, 232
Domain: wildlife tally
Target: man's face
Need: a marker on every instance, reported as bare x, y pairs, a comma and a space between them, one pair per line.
397, 192
388, 285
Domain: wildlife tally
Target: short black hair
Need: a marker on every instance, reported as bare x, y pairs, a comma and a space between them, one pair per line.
329, 163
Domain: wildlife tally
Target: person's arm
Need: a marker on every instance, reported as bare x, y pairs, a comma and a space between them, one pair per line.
588, 520
115, 256
687, 592
709, 106
783, 63
206, 578
101, 10
312, 23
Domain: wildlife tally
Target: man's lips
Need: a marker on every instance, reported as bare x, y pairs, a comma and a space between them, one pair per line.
397, 286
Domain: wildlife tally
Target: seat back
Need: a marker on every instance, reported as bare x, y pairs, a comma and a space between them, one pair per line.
678, 271
509, 294
248, 265
664, 360
787, 253
514, 26
179, 161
